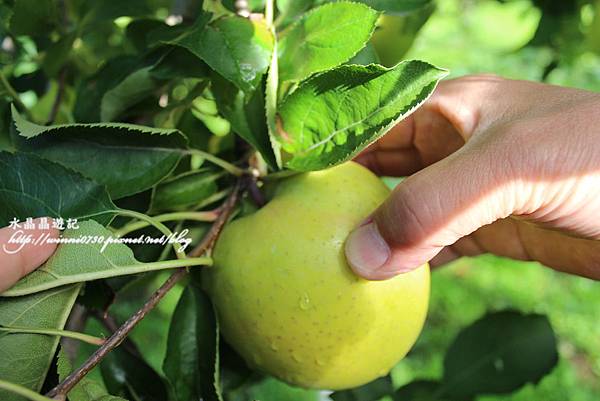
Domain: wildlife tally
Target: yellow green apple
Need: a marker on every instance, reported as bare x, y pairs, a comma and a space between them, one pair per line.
287, 300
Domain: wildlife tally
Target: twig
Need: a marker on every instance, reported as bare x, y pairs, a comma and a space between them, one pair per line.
255, 192
59, 392
111, 324
59, 96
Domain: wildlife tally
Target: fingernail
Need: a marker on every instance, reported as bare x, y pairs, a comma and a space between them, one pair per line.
366, 250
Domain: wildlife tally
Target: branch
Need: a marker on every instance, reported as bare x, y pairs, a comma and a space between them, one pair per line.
60, 391
59, 96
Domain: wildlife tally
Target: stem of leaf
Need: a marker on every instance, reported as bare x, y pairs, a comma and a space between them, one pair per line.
225, 165
279, 175
23, 391
14, 95
269, 12
213, 198
157, 224
51, 332
195, 216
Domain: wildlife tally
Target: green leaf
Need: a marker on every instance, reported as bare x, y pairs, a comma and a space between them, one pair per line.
323, 38
499, 354
246, 113
86, 389
130, 376
91, 91
25, 358
127, 93
419, 390
179, 62
111, 9
34, 187
368, 55
271, 98
290, 10
237, 48
333, 116
139, 157
85, 260
192, 360
58, 53
272, 389
396, 6
185, 190
33, 17
372, 391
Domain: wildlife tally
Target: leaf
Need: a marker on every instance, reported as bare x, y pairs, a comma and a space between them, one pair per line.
290, 10
86, 389
192, 361
372, 391
499, 354
179, 62
324, 38
333, 116
34, 187
419, 390
25, 358
33, 17
130, 376
246, 113
396, 6
92, 89
84, 260
111, 9
185, 190
139, 157
127, 93
271, 98
237, 48
272, 389
57, 54
368, 55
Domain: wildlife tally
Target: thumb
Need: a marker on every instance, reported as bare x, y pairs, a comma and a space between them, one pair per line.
430, 210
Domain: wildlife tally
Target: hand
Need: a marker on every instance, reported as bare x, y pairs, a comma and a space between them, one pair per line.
16, 263
500, 166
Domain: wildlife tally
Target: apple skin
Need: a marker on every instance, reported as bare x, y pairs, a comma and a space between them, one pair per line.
287, 300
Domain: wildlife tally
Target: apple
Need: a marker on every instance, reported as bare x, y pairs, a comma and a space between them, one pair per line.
287, 300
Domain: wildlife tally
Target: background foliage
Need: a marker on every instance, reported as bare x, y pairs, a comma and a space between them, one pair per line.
92, 57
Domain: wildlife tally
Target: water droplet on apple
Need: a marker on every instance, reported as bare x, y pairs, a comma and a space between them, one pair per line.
296, 357
304, 302
320, 362
274, 346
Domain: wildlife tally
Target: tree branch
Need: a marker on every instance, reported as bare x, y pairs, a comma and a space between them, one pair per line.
59, 96
60, 391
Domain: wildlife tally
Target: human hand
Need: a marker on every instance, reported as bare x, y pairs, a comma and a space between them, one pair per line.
501, 166
16, 262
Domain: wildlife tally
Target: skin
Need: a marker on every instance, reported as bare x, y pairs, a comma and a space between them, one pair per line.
500, 166
15, 265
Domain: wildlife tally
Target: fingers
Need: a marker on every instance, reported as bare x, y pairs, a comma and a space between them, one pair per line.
436, 130
17, 260
431, 210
